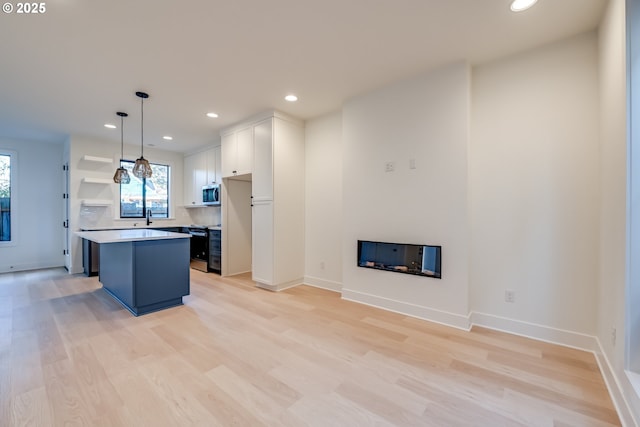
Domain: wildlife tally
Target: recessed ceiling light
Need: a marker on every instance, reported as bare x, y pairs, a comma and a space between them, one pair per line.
110, 126
291, 98
212, 115
520, 5
167, 137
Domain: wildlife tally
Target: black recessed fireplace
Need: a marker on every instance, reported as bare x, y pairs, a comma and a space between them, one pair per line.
419, 260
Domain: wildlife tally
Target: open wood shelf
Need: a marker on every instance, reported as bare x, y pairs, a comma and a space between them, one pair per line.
97, 159
97, 202
97, 181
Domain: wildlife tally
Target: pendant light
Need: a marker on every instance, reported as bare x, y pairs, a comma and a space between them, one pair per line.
142, 169
121, 176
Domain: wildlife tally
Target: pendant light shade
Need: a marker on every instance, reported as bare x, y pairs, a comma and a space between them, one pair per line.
121, 176
142, 168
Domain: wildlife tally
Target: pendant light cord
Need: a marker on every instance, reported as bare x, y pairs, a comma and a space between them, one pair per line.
142, 168
141, 127
121, 138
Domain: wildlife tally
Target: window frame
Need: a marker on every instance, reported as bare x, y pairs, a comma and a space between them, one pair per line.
144, 193
13, 183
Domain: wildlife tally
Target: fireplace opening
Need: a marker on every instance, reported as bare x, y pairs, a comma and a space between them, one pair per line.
419, 260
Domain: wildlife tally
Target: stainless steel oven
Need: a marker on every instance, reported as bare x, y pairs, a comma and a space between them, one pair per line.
199, 248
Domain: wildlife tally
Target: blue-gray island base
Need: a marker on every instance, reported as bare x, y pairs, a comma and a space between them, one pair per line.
145, 275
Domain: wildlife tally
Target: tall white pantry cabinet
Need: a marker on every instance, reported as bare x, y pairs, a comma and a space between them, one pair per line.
277, 198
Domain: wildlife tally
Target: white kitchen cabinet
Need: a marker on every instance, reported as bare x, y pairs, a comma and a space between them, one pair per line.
214, 172
237, 152
244, 153
262, 242
228, 154
200, 169
195, 176
262, 178
277, 195
280, 178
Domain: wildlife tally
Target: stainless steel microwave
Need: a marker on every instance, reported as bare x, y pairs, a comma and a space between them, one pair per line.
211, 195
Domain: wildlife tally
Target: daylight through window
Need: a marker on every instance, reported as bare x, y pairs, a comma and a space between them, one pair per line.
142, 194
5, 198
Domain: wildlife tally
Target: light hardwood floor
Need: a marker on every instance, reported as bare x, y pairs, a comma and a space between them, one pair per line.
238, 355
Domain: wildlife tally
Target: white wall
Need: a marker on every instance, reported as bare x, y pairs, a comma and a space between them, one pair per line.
95, 217
613, 153
37, 213
534, 183
533, 188
546, 194
323, 204
426, 119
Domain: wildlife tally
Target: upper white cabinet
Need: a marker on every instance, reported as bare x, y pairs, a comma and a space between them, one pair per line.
244, 154
200, 169
262, 178
237, 152
228, 154
195, 175
214, 169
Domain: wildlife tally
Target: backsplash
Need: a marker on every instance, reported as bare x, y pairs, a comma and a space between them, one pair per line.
209, 215
106, 216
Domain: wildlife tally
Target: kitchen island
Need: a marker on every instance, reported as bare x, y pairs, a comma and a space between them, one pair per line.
145, 270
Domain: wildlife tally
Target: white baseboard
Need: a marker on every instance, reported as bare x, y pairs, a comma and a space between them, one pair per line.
535, 331
32, 266
615, 388
568, 339
517, 327
281, 286
235, 273
316, 282
76, 270
413, 310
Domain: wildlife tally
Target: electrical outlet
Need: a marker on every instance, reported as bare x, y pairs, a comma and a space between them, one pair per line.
412, 163
389, 166
509, 295
321, 265
613, 336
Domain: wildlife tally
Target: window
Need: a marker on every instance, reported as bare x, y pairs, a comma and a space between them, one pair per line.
5, 197
142, 194
632, 326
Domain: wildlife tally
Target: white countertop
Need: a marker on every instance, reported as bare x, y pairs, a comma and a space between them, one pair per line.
145, 227
129, 235
141, 226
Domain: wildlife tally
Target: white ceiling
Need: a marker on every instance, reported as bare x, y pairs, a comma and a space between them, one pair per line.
69, 70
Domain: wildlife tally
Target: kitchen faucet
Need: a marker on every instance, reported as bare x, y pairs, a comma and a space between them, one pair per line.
149, 217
